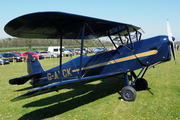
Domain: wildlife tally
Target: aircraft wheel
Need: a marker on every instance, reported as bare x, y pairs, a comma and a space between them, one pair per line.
141, 84
128, 93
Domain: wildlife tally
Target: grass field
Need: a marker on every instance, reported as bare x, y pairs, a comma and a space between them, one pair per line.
99, 100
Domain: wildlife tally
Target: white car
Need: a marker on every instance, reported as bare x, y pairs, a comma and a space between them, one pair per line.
48, 54
56, 50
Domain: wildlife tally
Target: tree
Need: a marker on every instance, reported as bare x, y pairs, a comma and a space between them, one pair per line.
29, 43
7, 43
50, 42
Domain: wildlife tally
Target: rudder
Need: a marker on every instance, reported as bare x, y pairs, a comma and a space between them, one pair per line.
33, 65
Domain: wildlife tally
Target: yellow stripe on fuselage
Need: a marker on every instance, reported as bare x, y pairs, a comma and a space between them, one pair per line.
152, 52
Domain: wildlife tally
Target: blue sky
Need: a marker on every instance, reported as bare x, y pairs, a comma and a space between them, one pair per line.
150, 15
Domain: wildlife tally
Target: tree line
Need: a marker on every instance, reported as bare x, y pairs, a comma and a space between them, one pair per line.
69, 43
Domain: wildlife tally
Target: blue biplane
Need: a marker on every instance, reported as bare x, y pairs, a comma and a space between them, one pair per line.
131, 54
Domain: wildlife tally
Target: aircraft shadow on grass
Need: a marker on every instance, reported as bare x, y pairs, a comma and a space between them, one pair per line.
79, 96
27, 88
150, 91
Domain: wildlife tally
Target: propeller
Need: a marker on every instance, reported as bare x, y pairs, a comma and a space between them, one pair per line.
171, 39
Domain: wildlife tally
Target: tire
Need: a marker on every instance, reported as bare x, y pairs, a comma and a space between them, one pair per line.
128, 93
141, 84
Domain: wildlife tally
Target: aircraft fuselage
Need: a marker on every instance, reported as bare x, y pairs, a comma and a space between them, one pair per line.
125, 59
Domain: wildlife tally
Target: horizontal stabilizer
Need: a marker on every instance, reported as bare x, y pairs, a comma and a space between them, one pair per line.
60, 85
23, 79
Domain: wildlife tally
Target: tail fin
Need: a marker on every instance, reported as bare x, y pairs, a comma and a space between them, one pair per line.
35, 71
33, 65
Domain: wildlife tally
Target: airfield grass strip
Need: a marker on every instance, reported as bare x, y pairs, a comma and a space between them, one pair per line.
98, 100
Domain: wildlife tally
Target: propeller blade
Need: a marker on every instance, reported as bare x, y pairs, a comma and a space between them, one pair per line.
171, 40
173, 52
169, 31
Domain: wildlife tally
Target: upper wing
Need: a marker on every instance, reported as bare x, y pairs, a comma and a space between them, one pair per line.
54, 24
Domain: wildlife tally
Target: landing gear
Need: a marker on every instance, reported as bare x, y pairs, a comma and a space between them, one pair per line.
128, 93
141, 84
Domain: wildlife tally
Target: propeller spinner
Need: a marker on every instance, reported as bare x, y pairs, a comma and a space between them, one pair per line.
171, 40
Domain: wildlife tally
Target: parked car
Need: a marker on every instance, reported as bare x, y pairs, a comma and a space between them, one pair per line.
18, 53
72, 51
34, 54
48, 54
56, 50
12, 57
94, 50
37, 52
78, 51
66, 52
3, 60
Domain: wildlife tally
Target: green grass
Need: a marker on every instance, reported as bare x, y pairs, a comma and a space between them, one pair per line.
97, 100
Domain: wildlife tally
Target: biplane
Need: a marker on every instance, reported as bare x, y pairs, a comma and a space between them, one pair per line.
131, 54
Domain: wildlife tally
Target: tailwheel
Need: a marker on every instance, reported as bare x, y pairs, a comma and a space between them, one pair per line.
141, 84
128, 93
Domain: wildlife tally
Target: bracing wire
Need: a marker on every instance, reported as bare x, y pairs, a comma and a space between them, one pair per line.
102, 55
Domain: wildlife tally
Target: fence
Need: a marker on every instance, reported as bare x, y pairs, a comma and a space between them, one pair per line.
45, 56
